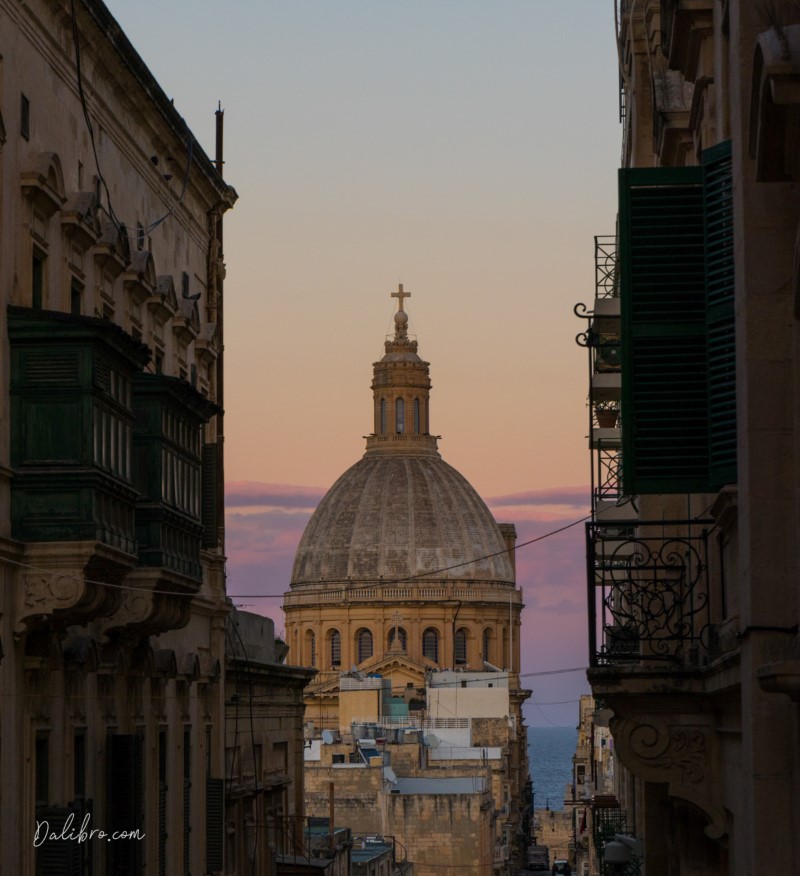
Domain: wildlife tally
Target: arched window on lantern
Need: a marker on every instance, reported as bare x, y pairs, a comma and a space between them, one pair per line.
416, 416
399, 416
363, 645
430, 644
383, 416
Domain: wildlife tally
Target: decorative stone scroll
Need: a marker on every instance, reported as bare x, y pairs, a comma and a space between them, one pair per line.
678, 750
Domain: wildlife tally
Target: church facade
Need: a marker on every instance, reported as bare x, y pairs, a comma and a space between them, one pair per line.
402, 573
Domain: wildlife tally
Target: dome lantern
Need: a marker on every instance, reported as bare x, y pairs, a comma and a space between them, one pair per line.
401, 387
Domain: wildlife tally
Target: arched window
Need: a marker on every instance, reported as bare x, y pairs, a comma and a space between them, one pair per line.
416, 416
401, 634
399, 416
383, 416
311, 648
363, 645
335, 648
487, 638
430, 644
503, 655
461, 647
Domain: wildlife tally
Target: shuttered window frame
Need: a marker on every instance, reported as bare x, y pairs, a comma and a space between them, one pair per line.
678, 347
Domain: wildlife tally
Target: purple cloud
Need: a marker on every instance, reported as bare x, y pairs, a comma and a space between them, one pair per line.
575, 497
264, 523
249, 494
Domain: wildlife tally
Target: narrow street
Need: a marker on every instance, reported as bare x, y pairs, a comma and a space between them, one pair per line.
554, 830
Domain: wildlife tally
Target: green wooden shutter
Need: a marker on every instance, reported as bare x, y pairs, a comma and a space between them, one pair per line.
187, 800
58, 857
718, 179
125, 788
215, 792
663, 309
162, 828
208, 478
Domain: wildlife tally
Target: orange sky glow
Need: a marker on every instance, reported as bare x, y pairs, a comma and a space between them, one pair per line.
466, 149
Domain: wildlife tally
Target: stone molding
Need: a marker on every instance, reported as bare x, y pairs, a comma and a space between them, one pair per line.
679, 750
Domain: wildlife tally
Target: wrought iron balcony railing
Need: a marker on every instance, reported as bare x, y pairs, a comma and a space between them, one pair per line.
607, 822
648, 595
606, 272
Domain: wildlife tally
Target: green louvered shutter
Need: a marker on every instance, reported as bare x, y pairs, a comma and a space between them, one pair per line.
215, 809
718, 178
208, 486
663, 301
58, 857
125, 799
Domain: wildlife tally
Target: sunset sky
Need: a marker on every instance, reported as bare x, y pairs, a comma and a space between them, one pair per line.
466, 149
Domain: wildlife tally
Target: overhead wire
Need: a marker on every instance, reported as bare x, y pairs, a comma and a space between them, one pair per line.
428, 574
431, 573
120, 226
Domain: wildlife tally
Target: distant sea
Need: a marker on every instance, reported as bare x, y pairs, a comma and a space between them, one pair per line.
550, 751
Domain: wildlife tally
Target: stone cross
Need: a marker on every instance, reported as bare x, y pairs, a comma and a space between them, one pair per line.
401, 295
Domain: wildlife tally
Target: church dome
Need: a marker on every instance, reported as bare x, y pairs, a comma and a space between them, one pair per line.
401, 511
396, 515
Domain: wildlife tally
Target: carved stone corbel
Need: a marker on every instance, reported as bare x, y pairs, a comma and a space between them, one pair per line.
68, 582
147, 608
681, 751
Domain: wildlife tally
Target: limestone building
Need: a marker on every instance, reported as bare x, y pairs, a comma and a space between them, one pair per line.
401, 573
112, 604
263, 750
693, 338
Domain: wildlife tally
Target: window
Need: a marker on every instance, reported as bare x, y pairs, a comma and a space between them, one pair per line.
42, 767
416, 416
335, 648
399, 416
363, 645
678, 366
383, 416
187, 785
430, 644
125, 794
79, 765
311, 648
162, 802
401, 634
24, 116
461, 647
75, 298
37, 281
487, 638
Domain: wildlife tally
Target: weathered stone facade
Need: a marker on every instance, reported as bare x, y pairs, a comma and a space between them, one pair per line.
112, 605
693, 339
263, 747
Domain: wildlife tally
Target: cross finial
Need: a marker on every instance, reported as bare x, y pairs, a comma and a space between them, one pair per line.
400, 295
